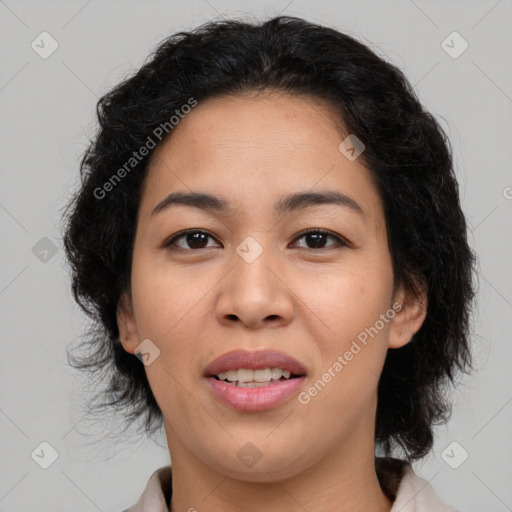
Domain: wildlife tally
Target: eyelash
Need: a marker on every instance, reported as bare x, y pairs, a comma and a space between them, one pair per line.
340, 242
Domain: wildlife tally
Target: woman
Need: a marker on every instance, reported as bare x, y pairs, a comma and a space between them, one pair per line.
270, 241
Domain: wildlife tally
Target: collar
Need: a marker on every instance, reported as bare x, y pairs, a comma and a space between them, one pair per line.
408, 491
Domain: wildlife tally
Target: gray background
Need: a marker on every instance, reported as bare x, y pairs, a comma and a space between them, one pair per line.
48, 113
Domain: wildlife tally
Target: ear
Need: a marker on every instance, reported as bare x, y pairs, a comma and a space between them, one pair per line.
126, 323
409, 319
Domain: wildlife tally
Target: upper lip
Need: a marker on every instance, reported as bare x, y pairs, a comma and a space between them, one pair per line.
254, 360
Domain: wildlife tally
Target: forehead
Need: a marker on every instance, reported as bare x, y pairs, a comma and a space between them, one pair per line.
259, 125
256, 145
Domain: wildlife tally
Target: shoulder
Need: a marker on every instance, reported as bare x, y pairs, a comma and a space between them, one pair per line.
157, 494
415, 494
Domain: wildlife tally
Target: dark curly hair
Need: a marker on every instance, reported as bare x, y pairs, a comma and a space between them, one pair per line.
407, 153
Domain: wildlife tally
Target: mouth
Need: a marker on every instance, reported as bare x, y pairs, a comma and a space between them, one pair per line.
254, 380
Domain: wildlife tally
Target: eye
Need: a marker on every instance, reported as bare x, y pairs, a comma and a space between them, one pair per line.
198, 239
195, 238
317, 237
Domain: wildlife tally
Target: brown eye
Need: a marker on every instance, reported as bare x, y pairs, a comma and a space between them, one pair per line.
192, 238
317, 238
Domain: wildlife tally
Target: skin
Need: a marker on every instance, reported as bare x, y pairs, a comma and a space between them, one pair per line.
311, 302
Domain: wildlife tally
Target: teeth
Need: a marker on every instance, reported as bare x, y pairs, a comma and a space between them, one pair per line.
264, 375
276, 373
254, 378
232, 375
251, 384
246, 384
245, 375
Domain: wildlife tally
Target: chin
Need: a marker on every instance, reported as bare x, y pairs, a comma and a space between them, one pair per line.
253, 465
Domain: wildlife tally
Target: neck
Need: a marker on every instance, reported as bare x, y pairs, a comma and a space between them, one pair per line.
345, 480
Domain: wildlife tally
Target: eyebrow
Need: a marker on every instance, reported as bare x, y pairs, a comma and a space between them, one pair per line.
293, 202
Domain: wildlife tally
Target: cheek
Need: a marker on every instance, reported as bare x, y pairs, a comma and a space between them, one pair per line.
165, 300
346, 303
169, 313
349, 334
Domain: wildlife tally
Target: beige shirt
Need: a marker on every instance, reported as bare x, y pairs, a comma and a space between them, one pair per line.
414, 494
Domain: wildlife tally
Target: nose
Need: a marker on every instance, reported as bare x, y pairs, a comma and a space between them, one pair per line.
255, 294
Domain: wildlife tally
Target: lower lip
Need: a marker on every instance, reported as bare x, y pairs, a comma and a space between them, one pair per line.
255, 399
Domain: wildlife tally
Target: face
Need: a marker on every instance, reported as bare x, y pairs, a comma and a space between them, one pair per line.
246, 278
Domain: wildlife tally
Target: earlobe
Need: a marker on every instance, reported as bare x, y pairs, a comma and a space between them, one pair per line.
126, 324
409, 319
